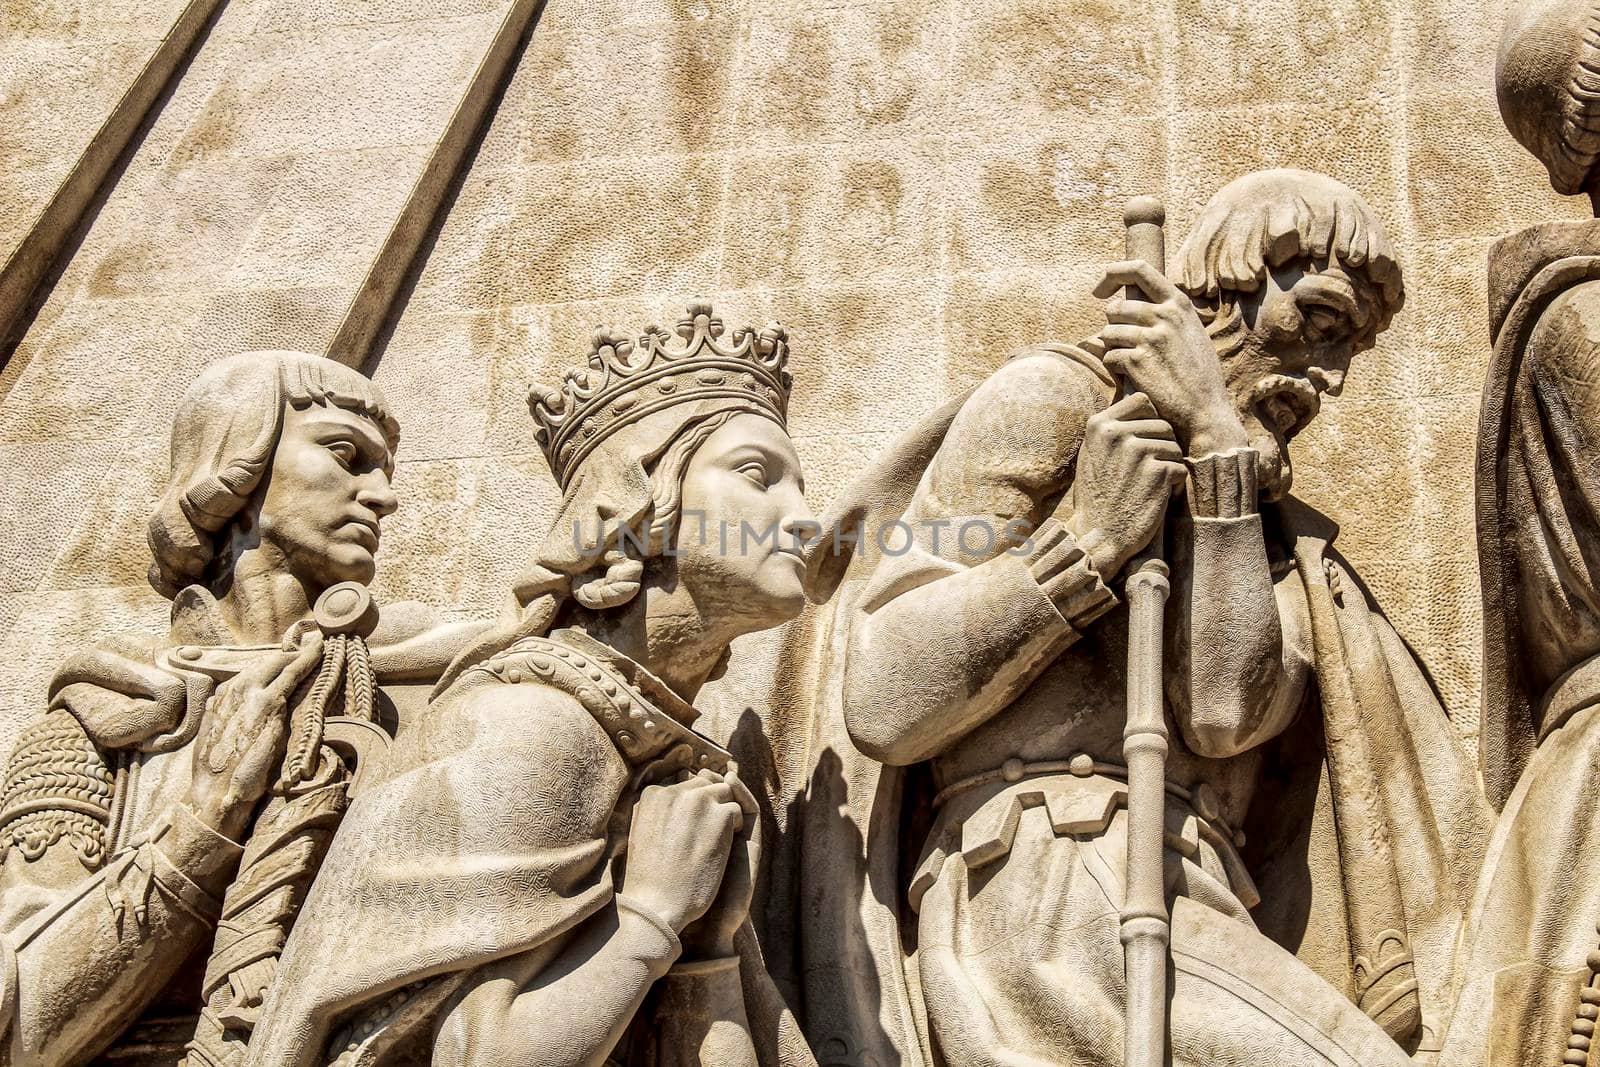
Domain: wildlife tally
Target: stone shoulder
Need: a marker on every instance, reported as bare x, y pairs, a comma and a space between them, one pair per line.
1565, 341
642, 732
1014, 442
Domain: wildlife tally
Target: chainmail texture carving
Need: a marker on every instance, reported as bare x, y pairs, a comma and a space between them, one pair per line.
57, 786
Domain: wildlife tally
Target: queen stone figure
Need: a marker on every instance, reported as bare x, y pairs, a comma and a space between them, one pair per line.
554, 839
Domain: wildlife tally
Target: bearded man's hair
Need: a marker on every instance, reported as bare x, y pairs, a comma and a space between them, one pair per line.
1274, 218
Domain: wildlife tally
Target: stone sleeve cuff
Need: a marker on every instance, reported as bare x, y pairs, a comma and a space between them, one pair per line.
1067, 575
1222, 485
161, 866
205, 857
670, 949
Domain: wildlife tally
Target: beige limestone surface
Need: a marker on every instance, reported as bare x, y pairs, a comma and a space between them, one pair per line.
254, 208
76, 81
913, 188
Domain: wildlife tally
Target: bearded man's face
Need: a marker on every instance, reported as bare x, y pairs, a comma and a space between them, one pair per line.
1298, 333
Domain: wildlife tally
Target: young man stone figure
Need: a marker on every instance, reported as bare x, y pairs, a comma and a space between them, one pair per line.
1002, 671
128, 806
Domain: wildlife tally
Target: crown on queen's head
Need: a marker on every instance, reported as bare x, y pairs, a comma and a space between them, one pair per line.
626, 381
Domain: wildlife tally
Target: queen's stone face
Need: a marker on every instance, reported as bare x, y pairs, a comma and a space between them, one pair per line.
327, 496
747, 567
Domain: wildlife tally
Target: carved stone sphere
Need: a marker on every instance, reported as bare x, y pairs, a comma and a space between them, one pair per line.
1548, 79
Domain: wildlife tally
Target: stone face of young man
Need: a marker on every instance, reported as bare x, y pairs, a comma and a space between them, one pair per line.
327, 495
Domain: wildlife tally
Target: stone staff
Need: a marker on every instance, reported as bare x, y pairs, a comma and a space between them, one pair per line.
1145, 925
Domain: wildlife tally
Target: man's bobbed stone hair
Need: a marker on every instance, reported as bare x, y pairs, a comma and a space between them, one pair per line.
1273, 218
223, 439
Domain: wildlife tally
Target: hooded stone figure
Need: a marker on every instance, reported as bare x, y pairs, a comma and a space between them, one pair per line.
971, 715
156, 843
553, 840
1527, 971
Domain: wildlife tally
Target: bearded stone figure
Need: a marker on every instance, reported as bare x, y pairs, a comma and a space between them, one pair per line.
189, 780
1529, 969
1317, 803
553, 840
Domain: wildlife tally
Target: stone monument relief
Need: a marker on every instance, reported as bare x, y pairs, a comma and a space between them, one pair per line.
1130, 604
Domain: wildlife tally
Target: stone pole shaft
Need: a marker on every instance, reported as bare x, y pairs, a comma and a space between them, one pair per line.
1145, 925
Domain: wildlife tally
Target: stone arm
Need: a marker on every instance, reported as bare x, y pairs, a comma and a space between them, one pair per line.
1241, 666
570, 1008
411, 645
563, 1008
569, 1001
951, 630
86, 953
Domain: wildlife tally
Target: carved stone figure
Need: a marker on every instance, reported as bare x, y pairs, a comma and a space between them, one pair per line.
552, 840
1528, 971
163, 764
993, 670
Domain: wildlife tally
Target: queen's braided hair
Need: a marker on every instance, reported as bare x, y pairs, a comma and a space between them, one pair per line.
617, 572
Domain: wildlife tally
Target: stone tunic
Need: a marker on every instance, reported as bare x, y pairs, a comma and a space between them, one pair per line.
495, 837
104, 938
1018, 891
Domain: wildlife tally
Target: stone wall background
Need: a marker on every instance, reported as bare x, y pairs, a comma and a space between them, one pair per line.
66, 65
914, 187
